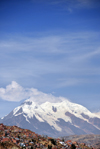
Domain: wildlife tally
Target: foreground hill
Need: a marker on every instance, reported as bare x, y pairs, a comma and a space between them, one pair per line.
54, 119
13, 137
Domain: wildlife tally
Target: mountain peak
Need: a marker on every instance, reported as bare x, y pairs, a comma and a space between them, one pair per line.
56, 119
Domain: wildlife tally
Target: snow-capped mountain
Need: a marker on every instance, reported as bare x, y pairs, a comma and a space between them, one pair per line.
98, 114
54, 119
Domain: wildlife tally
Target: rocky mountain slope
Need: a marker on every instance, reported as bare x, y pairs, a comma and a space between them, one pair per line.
54, 119
90, 140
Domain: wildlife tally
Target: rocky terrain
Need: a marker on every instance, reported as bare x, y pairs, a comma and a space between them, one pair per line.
13, 137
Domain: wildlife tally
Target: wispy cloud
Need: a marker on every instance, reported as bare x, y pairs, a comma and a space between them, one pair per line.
61, 56
89, 3
70, 5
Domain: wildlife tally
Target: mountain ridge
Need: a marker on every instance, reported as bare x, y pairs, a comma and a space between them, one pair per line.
54, 119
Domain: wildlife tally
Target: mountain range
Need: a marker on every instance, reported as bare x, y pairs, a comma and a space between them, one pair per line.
56, 119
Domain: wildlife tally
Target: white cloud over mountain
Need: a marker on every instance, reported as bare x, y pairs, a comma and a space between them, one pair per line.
15, 92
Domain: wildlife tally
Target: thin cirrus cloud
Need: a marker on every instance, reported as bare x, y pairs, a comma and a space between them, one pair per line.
71, 5
68, 54
69, 2
63, 43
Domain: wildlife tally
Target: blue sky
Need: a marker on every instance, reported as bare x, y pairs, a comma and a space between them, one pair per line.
52, 46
